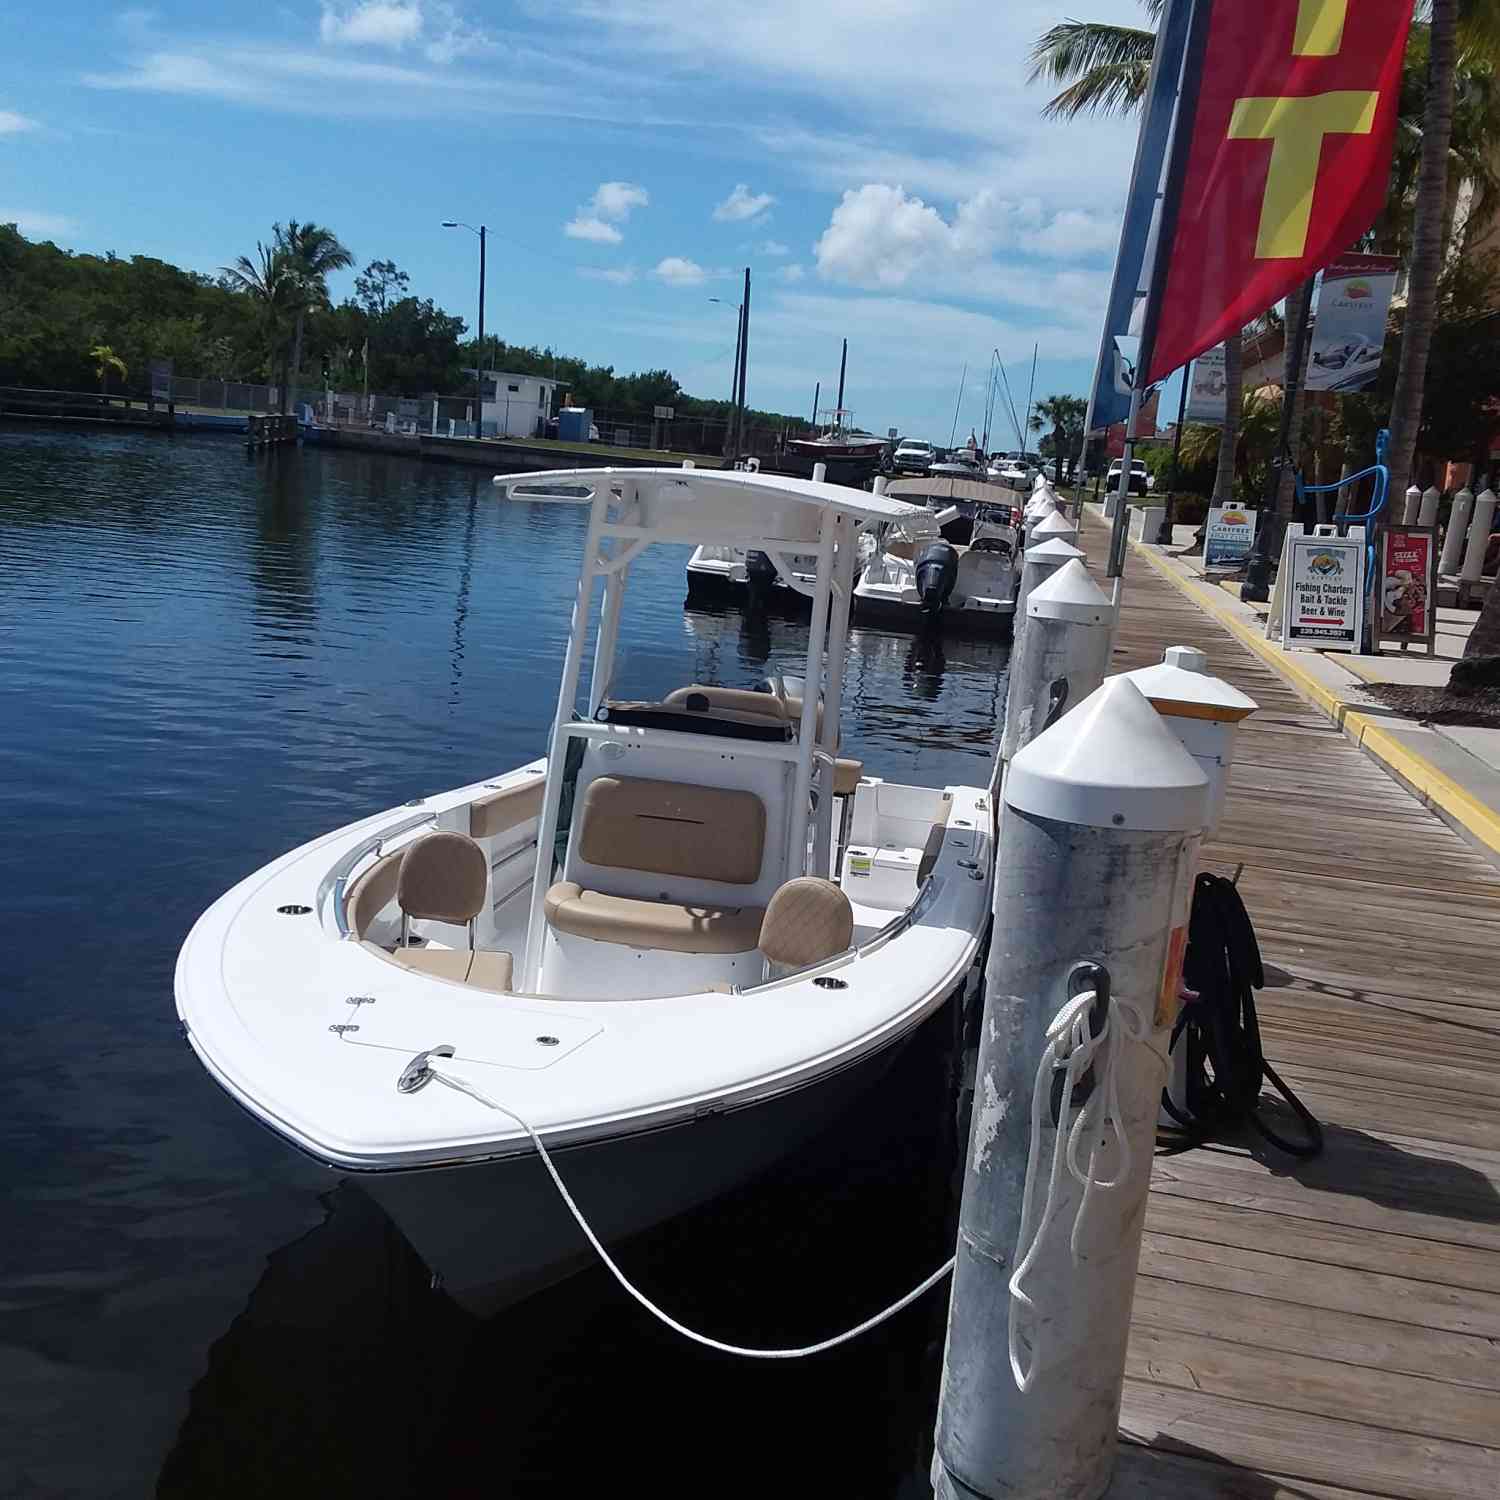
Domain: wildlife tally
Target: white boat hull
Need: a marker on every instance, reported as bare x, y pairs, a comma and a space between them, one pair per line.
493, 1233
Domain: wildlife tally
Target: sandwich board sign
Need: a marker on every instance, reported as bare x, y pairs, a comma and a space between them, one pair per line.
1407, 587
1229, 536
1322, 585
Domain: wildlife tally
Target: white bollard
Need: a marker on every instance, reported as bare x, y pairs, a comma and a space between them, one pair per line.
1097, 839
1479, 537
1458, 530
1040, 504
880, 483
1053, 524
820, 473
1427, 514
1041, 562
1413, 506
1202, 710
1060, 657
1205, 714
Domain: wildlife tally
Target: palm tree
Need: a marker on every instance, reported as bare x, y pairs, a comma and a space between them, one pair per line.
106, 360
268, 281
311, 252
1427, 242
1065, 416
1106, 70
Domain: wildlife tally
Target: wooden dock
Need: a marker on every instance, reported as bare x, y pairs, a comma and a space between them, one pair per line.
1330, 1330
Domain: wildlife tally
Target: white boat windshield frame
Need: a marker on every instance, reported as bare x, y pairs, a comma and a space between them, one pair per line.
629, 510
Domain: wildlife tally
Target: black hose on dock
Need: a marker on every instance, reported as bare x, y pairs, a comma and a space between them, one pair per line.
1221, 1032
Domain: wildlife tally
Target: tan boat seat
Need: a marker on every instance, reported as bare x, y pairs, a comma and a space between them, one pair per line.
807, 921
666, 925
506, 809
371, 893
673, 828
846, 774
479, 968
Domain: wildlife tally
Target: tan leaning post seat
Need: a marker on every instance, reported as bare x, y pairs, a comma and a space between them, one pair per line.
444, 877
669, 828
807, 921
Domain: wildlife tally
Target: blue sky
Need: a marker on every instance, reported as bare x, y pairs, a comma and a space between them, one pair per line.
882, 167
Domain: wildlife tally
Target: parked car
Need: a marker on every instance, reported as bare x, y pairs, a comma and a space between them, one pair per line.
1139, 477
912, 456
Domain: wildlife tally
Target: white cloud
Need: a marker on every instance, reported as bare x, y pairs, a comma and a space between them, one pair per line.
773, 248
37, 224
742, 205
12, 123
611, 205
372, 23
882, 238
791, 273
615, 275
435, 25
588, 227
614, 200
677, 271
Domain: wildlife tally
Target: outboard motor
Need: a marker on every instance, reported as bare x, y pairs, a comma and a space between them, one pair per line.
760, 574
937, 572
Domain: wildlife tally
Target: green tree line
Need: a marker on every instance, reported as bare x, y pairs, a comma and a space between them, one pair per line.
253, 320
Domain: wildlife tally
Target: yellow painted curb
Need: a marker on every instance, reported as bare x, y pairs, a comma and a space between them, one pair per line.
1435, 788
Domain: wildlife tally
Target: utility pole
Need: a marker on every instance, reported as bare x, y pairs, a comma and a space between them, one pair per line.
744, 361
482, 232
479, 373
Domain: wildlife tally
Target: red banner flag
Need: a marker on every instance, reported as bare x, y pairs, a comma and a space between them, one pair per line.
1288, 162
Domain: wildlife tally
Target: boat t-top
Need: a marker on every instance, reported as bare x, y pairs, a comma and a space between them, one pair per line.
674, 945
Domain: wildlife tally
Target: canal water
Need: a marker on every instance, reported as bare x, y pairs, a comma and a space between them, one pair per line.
206, 658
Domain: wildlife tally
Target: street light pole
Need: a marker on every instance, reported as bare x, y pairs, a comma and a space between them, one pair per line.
482, 232
734, 378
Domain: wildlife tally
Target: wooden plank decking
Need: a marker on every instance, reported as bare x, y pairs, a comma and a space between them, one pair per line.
1330, 1330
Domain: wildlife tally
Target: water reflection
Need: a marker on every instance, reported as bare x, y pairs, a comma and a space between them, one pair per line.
208, 660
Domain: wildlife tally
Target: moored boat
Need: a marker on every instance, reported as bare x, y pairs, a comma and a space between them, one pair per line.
674, 946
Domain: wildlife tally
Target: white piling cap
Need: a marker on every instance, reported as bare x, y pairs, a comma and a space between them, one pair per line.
1070, 594
1040, 504
1054, 524
1111, 763
1054, 552
1180, 685
1038, 480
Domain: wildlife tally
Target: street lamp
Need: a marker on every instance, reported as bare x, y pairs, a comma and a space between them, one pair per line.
734, 374
479, 354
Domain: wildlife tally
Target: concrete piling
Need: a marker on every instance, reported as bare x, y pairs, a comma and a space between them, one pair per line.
1039, 563
1457, 532
1097, 840
1479, 536
1061, 655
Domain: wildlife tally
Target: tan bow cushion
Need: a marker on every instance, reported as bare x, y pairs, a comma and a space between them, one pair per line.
807, 921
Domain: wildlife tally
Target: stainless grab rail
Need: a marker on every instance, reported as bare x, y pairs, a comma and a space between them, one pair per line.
336, 881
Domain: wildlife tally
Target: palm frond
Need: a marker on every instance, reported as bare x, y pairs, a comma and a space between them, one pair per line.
1107, 68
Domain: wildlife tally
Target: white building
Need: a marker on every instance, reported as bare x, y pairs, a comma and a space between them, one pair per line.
515, 404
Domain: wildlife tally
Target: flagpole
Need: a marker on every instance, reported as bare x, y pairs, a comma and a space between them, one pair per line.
1150, 145
1171, 203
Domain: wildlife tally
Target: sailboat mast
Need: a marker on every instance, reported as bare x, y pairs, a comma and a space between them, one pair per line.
843, 364
1030, 394
962, 380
